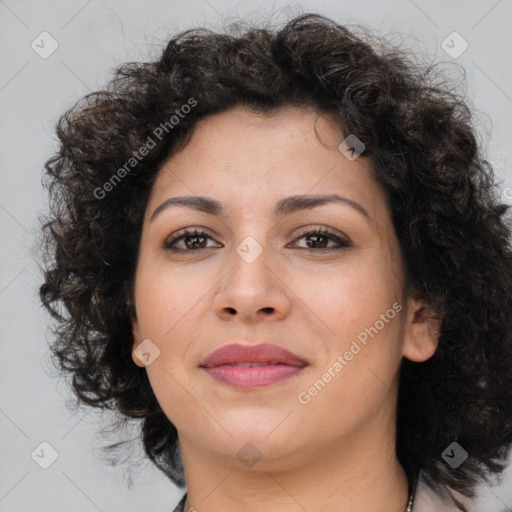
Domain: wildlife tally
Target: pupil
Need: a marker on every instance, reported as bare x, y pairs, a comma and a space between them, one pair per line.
316, 237
195, 238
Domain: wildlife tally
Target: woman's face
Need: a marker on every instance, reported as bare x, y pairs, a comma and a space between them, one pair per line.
256, 276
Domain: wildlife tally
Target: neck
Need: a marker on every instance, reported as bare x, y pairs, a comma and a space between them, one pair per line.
360, 473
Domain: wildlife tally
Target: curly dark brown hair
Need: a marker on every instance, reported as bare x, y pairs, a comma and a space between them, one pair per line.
420, 134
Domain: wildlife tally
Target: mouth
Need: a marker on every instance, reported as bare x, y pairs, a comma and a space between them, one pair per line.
252, 366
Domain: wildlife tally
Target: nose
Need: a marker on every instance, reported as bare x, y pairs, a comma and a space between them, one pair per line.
253, 291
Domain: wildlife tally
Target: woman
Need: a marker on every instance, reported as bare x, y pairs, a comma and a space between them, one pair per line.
283, 252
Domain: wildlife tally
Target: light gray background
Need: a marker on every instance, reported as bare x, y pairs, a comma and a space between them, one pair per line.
93, 37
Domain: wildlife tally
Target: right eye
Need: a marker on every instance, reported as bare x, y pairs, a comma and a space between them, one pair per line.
193, 239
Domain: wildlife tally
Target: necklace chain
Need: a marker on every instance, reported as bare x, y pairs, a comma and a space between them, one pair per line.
409, 505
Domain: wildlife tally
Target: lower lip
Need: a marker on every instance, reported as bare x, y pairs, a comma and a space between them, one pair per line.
250, 377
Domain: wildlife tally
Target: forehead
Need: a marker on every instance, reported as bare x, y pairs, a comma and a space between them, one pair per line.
252, 160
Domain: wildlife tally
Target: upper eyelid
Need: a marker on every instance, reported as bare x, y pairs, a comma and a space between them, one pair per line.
302, 231
189, 231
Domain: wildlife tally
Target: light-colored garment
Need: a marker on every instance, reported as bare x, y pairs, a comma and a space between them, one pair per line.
180, 507
425, 500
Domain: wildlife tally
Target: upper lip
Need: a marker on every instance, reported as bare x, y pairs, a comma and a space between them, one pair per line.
261, 353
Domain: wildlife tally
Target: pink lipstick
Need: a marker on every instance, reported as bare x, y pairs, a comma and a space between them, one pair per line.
252, 366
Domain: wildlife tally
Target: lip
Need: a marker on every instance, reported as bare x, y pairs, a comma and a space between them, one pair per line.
281, 364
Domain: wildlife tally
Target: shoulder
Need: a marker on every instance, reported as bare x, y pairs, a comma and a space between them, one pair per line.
180, 507
428, 500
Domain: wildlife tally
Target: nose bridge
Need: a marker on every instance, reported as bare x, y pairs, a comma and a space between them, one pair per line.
251, 261
252, 242
250, 250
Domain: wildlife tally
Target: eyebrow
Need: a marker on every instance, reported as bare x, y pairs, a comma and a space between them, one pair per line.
285, 206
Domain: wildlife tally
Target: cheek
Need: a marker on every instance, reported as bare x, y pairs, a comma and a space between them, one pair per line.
168, 299
357, 377
168, 304
349, 296
359, 315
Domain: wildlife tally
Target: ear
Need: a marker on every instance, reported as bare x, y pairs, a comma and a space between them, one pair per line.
136, 340
422, 331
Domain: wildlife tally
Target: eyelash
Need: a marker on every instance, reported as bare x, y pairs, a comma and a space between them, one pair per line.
185, 233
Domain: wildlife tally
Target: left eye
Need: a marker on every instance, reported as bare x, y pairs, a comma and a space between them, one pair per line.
195, 240
315, 237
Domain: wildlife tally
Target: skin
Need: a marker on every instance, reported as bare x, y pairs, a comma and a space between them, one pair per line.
337, 451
